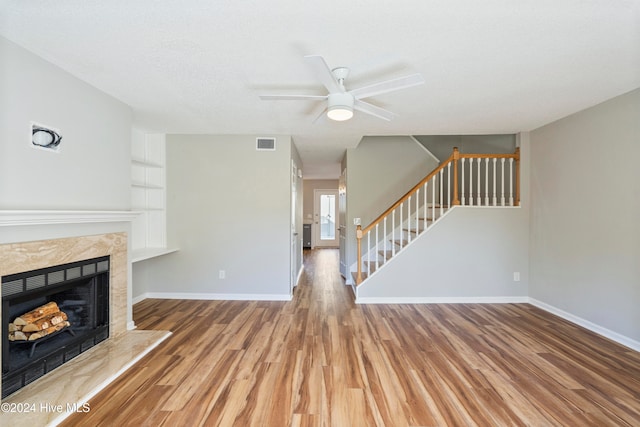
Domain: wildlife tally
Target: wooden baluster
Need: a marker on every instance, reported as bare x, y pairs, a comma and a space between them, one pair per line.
502, 186
471, 181
369, 253
384, 239
426, 190
409, 219
510, 182
456, 156
463, 201
359, 246
449, 186
393, 233
401, 222
517, 201
486, 181
495, 184
417, 226
433, 198
478, 194
376, 253
441, 192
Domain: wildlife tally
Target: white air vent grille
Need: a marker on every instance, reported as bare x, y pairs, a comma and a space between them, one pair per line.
265, 144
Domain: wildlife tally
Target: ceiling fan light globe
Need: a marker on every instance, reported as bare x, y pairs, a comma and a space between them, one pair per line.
339, 113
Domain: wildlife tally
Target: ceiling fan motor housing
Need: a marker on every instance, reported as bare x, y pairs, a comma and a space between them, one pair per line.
340, 106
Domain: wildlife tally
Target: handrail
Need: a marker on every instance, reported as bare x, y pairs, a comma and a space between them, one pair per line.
410, 192
454, 157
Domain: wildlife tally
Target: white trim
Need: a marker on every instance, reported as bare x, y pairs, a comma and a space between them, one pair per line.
441, 300
607, 333
138, 299
38, 217
213, 297
425, 149
131, 325
148, 253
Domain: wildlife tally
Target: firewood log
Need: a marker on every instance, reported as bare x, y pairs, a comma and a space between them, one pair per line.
13, 327
45, 322
18, 336
37, 335
33, 315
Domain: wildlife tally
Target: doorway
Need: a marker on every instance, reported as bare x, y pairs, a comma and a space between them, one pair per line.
325, 221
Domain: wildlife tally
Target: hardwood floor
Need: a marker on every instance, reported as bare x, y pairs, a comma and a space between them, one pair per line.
321, 360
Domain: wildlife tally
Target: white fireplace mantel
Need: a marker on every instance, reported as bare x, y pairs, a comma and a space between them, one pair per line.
10, 218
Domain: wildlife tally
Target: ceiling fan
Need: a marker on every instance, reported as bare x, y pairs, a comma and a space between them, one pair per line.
340, 101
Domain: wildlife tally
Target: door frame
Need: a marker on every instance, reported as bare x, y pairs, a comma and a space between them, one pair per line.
316, 241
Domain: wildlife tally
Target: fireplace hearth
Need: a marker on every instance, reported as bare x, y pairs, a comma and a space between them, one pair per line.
81, 290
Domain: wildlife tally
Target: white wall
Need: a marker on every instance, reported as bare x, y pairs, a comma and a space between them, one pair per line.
468, 255
91, 171
228, 208
585, 215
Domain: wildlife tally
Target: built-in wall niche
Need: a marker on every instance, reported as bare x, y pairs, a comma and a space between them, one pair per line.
148, 195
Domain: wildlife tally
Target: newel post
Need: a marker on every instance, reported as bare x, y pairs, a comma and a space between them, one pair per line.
456, 157
517, 201
359, 259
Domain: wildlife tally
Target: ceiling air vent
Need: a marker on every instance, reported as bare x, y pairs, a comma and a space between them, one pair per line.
265, 144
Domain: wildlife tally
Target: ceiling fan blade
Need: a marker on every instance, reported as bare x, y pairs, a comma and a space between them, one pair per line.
387, 86
323, 73
293, 97
320, 116
365, 107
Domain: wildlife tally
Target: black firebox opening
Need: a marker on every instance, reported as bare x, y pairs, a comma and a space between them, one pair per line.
81, 290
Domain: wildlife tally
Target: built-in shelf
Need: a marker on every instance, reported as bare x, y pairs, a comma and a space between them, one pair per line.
145, 163
145, 185
148, 196
148, 253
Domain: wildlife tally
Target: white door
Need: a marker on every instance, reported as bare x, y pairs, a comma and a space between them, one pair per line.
325, 219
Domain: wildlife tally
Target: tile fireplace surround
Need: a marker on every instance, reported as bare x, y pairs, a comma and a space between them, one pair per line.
40, 403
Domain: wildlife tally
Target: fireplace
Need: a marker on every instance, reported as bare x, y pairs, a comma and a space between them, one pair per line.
81, 290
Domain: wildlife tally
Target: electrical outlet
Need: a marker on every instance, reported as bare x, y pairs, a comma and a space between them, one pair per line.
516, 276
222, 274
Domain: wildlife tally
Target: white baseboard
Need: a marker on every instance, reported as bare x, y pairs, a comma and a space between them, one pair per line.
442, 300
131, 326
201, 296
607, 333
139, 298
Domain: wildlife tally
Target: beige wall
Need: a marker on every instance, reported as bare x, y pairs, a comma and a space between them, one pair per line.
228, 208
92, 168
585, 211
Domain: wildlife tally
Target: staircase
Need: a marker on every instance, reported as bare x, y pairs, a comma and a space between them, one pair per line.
462, 180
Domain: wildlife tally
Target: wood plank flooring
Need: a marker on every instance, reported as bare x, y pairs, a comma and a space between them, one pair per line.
321, 360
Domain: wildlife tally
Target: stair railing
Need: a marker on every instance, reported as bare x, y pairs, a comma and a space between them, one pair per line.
482, 181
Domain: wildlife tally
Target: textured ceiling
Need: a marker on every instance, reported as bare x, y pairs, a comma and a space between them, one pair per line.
198, 66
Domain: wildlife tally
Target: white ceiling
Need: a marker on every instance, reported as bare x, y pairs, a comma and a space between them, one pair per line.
198, 66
